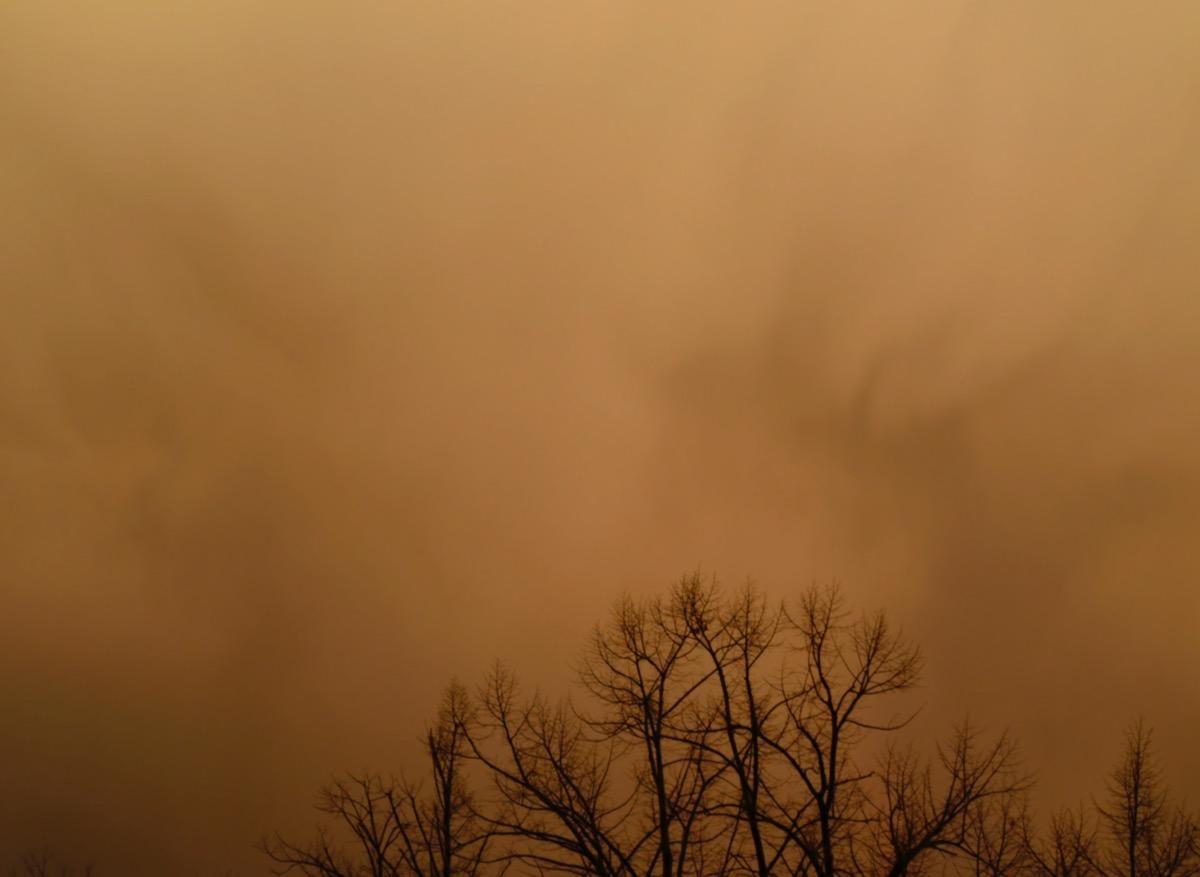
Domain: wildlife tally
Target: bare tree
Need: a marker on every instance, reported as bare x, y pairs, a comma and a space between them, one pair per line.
994, 837
840, 668
642, 672
719, 735
709, 734
1148, 835
386, 828
40, 863
735, 636
967, 813
1068, 849
558, 802
1136, 832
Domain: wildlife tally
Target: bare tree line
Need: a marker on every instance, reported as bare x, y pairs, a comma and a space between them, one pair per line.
713, 734
41, 864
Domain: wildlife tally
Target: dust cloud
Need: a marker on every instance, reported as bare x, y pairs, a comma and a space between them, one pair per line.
348, 346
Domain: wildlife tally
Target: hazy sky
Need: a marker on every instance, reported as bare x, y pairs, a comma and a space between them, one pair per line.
346, 346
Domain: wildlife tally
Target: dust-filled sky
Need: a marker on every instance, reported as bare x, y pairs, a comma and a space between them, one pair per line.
347, 346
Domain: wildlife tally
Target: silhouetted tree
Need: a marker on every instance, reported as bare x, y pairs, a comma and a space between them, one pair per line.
966, 815
995, 838
719, 734
1068, 848
556, 802
709, 734
1135, 832
41, 864
1148, 835
386, 828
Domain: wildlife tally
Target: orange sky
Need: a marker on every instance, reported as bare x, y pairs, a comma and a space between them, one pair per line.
348, 346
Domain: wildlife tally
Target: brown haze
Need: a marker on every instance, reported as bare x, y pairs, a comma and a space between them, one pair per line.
346, 346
